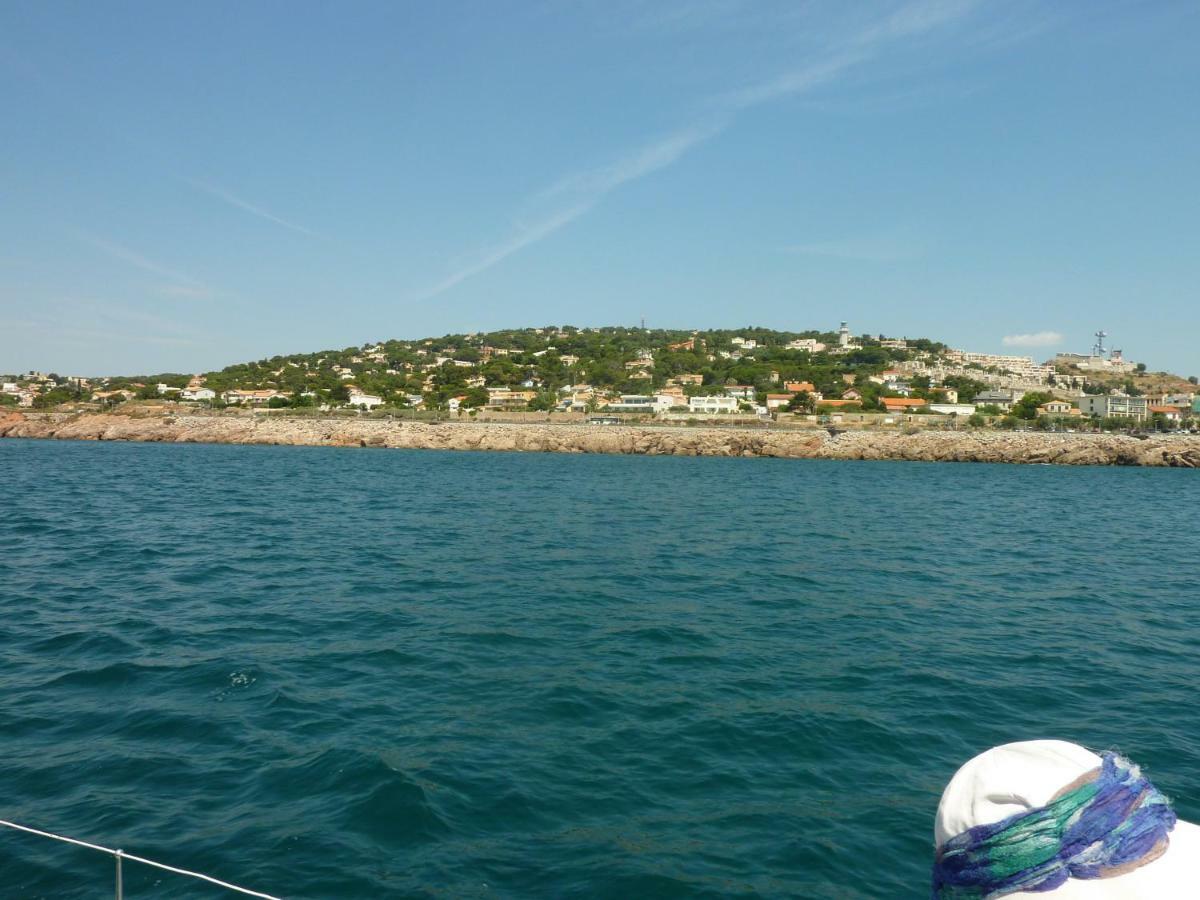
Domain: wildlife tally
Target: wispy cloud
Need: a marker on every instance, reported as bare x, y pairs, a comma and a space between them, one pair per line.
139, 261
246, 206
1035, 339
797, 81
908, 21
574, 196
578, 193
492, 255
914, 19
646, 159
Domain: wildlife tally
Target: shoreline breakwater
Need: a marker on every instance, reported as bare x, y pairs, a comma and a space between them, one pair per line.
933, 446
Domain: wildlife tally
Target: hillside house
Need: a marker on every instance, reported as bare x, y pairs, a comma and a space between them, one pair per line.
1055, 408
902, 404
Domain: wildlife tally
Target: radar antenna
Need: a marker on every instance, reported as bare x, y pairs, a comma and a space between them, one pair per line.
1098, 348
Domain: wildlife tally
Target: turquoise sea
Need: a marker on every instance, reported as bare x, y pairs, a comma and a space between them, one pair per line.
366, 673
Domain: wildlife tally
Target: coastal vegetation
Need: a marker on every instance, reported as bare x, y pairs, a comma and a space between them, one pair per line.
547, 359
617, 359
757, 371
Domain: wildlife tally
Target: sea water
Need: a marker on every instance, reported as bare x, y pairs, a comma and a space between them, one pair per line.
371, 673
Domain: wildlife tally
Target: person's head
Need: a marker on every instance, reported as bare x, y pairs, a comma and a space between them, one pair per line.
1022, 819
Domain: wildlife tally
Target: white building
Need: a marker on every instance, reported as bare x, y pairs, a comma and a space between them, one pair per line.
740, 391
808, 344
1114, 362
710, 405
1113, 406
1002, 400
199, 393
370, 401
641, 403
254, 398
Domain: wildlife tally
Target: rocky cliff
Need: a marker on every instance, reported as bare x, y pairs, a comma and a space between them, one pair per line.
950, 446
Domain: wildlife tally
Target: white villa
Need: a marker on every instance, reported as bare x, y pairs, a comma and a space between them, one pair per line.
711, 405
370, 401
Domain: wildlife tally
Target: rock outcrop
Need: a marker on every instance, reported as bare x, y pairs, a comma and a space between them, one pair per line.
931, 446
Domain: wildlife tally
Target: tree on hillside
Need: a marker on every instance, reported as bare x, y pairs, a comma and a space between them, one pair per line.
967, 387
475, 397
802, 401
544, 401
1027, 406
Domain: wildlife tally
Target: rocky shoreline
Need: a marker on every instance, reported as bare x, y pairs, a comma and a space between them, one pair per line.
932, 446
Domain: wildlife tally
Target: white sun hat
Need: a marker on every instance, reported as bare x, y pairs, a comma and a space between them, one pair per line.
1016, 778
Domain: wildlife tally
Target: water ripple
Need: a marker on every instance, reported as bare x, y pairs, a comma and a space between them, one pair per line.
332, 673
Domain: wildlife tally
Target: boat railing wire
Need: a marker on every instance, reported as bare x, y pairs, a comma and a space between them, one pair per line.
121, 855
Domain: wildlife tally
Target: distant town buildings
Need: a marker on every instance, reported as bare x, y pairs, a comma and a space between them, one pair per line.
618, 372
1016, 365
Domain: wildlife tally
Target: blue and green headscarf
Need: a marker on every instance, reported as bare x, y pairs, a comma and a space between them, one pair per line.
1107, 824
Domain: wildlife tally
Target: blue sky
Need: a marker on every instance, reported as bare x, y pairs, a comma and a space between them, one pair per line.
183, 186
